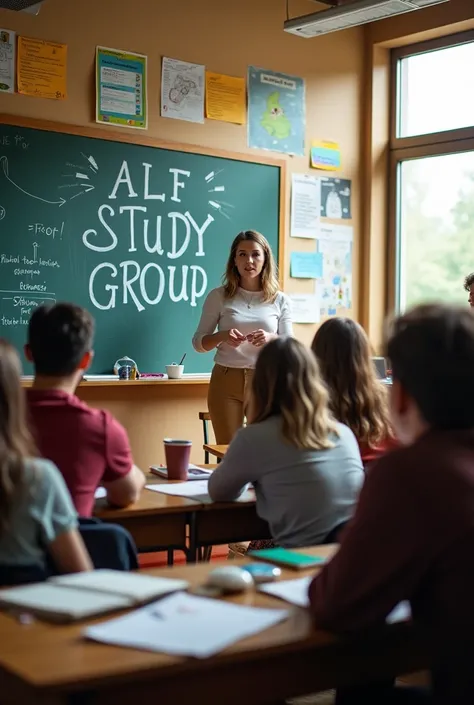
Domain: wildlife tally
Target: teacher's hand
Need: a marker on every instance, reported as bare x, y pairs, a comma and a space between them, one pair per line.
259, 337
233, 337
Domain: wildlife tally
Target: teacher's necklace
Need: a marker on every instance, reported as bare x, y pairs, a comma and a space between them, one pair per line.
247, 301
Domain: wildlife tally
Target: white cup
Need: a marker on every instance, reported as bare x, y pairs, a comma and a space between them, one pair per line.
174, 371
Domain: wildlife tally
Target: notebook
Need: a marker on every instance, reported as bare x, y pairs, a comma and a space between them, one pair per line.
68, 598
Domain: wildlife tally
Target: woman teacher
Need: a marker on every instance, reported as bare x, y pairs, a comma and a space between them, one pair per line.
248, 311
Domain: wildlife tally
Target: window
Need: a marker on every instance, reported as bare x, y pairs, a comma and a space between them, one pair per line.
432, 157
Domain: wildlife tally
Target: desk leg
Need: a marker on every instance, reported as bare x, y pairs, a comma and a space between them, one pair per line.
170, 557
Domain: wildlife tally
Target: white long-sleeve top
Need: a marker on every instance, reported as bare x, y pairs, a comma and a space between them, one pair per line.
246, 312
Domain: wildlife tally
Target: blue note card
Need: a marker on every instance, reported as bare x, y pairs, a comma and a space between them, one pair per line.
306, 265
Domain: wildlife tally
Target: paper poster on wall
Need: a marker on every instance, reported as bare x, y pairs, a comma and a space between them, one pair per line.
276, 111
7, 61
182, 90
121, 88
325, 155
335, 288
336, 198
305, 308
306, 265
305, 206
225, 98
42, 68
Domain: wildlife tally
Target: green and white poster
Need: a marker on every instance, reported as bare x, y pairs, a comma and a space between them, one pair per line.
276, 111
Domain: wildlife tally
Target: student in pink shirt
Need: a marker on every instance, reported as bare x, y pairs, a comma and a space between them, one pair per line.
88, 445
412, 535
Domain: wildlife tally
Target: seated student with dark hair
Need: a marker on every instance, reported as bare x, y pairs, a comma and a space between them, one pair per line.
88, 445
413, 529
469, 287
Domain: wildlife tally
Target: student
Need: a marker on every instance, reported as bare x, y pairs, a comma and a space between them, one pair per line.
469, 287
305, 467
413, 530
357, 397
248, 312
36, 513
88, 445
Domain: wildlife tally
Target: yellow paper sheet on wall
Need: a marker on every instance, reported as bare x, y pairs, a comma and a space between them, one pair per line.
42, 68
225, 98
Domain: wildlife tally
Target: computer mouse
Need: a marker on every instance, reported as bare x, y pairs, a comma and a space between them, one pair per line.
230, 579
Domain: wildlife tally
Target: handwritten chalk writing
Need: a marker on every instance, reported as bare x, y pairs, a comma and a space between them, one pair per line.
175, 250
9, 259
17, 141
147, 195
32, 287
147, 284
26, 272
41, 229
123, 178
177, 184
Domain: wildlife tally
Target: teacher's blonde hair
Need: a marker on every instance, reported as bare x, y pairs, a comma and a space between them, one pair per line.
287, 383
268, 276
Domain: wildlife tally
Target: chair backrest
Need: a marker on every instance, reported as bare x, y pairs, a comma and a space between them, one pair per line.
333, 536
21, 574
110, 546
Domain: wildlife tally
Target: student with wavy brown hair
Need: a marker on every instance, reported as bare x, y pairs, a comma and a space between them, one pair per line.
357, 397
237, 319
304, 465
37, 516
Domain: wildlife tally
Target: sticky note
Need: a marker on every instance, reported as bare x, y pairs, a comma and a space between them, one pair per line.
306, 265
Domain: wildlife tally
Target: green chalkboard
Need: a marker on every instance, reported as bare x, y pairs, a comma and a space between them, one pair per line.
135, 230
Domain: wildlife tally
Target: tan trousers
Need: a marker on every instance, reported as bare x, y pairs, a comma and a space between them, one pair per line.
228, 398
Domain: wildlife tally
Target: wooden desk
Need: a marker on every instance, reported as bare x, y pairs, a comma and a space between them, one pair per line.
156, 522
160, 521
46, 664
217, 451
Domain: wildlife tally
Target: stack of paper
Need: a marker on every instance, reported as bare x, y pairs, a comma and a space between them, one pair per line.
67, 598
187, 625
195, 489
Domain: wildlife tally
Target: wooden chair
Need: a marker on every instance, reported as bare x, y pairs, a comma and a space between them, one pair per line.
205, 417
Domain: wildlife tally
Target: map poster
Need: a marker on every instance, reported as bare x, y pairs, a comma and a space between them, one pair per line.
276, 111
182, 90
121, 88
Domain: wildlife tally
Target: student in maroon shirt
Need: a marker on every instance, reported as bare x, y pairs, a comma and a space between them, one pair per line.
412, 536
88, 445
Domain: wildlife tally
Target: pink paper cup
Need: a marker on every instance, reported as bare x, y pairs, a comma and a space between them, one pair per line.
177, 454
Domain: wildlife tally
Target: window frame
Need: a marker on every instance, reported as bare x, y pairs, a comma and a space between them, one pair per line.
415, 147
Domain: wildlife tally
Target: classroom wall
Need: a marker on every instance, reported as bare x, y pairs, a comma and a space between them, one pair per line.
226, 37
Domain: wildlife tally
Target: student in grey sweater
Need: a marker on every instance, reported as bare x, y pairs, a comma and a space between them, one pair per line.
306, 468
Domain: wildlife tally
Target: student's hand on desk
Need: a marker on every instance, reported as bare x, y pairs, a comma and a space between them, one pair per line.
233, 337
259, 338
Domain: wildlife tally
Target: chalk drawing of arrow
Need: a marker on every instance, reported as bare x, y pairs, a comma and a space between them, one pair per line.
35, 251
4, 163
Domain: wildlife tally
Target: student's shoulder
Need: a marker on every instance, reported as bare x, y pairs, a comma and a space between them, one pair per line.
345, 437
40, 472
270, 429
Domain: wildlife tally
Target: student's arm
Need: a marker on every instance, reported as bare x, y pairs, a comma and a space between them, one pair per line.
234, 472
285, 323
57, 519
382, 555
122, 480
69, 553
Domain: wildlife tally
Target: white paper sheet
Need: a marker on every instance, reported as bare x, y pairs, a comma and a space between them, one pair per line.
296, 592
305, 206
182, 90
336, 232
195, 489
305, 308
7, 60
187, 625
293, 591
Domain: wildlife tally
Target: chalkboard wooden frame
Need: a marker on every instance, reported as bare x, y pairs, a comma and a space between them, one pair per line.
133, 138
